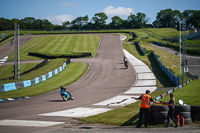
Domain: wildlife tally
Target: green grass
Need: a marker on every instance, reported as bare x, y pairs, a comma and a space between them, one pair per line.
189, 94
58, 44
163, 32
125, 116
6, 71
128, 115
73, 72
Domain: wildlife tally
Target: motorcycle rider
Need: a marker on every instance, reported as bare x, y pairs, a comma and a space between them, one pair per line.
125, 62
63, 91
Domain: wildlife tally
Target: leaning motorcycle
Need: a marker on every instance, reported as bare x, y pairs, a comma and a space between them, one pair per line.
66, 95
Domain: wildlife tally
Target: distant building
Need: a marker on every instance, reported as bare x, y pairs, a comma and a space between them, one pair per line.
191, 31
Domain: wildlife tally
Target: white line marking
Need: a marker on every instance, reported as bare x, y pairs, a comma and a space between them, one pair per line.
78, 112
120, 100
140, 90
29, 123
146, 76
146, 83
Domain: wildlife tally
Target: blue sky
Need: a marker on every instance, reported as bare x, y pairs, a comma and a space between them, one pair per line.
58, 11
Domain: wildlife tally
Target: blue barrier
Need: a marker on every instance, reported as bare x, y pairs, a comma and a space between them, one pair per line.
168, 73
140, 49
44, 77
9, 87
56, 71
158, 43
37, 80
26, 83
170, 91
50, 74
158, 98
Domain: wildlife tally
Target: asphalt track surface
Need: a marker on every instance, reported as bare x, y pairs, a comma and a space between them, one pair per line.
105, 78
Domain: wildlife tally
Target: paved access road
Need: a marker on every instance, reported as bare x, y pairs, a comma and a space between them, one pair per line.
193, 62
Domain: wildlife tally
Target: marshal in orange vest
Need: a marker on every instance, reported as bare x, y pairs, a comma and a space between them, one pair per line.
145, 101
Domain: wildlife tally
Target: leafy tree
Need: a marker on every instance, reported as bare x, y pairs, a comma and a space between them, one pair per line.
79, 22
99, 20
116, 23
140, 20
168, 18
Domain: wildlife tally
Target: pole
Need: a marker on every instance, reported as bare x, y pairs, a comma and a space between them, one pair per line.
180, 47
16, 44
18, 57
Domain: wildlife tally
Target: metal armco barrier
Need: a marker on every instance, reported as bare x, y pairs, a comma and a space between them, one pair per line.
27, 83
168, 73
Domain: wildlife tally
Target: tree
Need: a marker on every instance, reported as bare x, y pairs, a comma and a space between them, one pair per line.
130, 21
168, 18
116, 23
99, 20
79, 22
140, 20
28, 22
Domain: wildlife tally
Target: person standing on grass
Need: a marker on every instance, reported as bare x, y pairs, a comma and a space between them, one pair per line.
171, 111
144, 107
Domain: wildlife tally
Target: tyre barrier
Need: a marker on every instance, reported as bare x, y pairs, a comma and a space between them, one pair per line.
195, 113
159, 114
27, 83
185, 111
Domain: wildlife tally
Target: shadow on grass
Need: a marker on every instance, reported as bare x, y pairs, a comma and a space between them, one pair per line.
132, 121
159, 73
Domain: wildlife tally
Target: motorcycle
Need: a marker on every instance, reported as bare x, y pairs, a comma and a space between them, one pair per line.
126, 64
66, 95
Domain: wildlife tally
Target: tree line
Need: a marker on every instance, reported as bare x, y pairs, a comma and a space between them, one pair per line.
167, 18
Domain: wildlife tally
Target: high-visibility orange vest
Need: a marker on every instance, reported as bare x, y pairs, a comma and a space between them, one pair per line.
145, 101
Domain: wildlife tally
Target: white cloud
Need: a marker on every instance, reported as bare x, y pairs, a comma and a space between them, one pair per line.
60, 18
119, 11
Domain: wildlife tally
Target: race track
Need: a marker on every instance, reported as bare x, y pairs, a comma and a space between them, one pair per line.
105, 78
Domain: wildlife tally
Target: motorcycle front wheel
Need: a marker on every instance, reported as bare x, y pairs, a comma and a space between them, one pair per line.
64, 98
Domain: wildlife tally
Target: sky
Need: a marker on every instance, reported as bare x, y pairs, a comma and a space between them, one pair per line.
58, 11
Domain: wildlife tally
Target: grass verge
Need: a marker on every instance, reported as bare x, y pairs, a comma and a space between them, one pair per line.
58, 44
73, 72
7, 71
128, 115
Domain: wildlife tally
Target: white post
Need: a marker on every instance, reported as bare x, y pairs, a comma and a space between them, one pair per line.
180, 47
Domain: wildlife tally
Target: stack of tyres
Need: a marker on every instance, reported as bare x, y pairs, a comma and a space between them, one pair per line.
195, 113
185, 111
159, 114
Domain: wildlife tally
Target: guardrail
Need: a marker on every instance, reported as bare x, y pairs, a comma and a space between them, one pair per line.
141, 51
158, 43
173, 78
27, 83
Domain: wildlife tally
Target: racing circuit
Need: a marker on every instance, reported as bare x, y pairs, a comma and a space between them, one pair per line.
105, 86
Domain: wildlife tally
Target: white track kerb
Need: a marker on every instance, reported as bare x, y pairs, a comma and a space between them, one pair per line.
144, 80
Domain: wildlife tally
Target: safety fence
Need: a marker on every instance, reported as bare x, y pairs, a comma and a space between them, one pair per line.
158, 43
141, 51
27, 83
173, 78
194, 35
